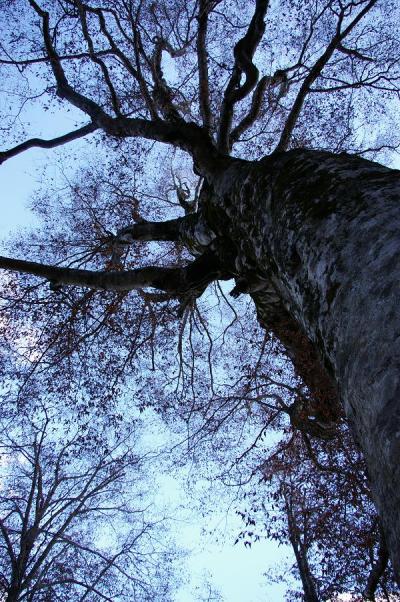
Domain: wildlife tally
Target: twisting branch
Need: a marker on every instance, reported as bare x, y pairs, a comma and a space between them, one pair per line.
253, 113
52, 143
314, 72
243, 53
162, 93
279, 78
205, 7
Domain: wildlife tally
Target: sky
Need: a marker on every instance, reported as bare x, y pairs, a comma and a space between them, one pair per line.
235, 571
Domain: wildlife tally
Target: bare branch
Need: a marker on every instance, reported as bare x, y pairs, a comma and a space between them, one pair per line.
355, 53
52, 143
96, 59
201, 47
314, 72
243, 53
64, 90
46, 59
378, 569
176, 281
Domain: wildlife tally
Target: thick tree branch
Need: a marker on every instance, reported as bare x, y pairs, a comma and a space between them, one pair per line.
314, 72
175, 281
187, 136
146, 231
243, 53
52, 143
201, 47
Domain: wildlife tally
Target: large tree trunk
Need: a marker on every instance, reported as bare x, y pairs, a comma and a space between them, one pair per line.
323, 230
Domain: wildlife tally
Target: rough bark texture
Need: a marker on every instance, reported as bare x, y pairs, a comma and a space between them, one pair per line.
319, 233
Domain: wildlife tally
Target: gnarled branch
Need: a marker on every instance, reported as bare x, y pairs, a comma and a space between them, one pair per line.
243, 53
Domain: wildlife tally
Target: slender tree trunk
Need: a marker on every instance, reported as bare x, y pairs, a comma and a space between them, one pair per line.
300, 552
377, 571
322, 232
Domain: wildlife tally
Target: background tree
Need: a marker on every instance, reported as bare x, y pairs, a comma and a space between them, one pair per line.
294, 229
71, 525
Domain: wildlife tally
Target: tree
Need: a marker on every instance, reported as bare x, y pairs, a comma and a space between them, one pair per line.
69, 529
316, 499
309, 232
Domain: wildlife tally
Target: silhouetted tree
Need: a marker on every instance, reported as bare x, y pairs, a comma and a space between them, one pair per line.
308, 231
71, 527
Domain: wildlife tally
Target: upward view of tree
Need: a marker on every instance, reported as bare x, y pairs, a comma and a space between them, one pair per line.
232, 141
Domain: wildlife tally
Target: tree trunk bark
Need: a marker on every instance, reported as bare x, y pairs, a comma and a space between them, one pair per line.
323, 231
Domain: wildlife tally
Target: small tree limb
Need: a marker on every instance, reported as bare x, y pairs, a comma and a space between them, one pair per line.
52, 143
